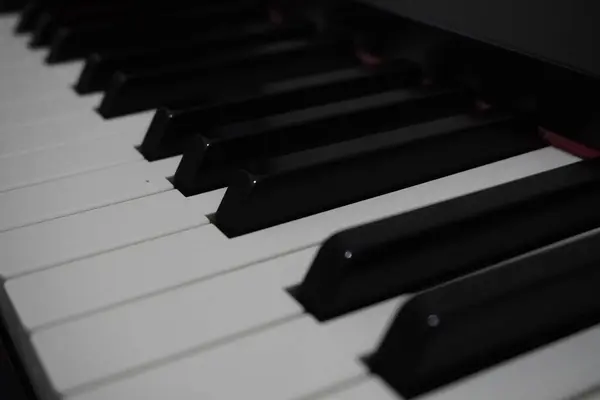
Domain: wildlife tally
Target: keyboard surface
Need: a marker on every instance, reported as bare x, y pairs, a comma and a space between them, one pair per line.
158, 229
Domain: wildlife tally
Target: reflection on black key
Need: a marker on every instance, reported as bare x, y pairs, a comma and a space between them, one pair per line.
171, 129
458, 329
433, 244
290, 187
230, 75
213, 156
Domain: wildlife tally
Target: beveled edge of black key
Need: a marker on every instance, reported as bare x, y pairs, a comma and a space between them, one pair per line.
42, 31
56, 53
422, 314
28, 17
185, 176
325, 278
28, 364
85, 83
157, 130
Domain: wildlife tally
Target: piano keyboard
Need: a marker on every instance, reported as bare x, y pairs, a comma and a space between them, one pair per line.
269, 217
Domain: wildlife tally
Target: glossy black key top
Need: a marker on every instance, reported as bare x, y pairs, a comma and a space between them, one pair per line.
101, 66
230, 75
434, 244
213, 156
461, 328
171, 129
301, 184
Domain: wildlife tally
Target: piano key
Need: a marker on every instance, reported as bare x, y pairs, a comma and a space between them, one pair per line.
7, 24
173, 260
69, 129
463, 327
590, 394
73, 237
70, 159
449, 239
50, 21
268, 192
285, 362
349, 336
353, 334
172, 128
70, 195
28, 17
217, 315
9, 6
212, 157
72, 42
363, 388
101, 66
47, 107
28, 77
241, 72
555, 372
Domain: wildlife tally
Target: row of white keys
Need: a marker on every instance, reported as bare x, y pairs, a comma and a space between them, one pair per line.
82, 192
110, 279
292, 358
285, 362
72, 129
70, 159
36, 82
80, 235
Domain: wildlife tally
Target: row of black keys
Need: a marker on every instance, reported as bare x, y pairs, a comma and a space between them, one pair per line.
265, 109
351, 126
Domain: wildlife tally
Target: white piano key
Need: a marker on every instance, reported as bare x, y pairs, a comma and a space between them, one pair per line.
54, 133
557, 371
69, 238
48, 107
71, 159
140, 333
350, 335
172, 261
31, 84
285, 362
369, 388
7, 24
79, 193
360, 332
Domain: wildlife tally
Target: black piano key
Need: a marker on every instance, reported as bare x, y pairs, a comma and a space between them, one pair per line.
29, 16
101, 66
461, 328
242, 71
101, 16
45, 28
171, 129
294, 186
9, 6
214, 155
437, 243
73, 42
